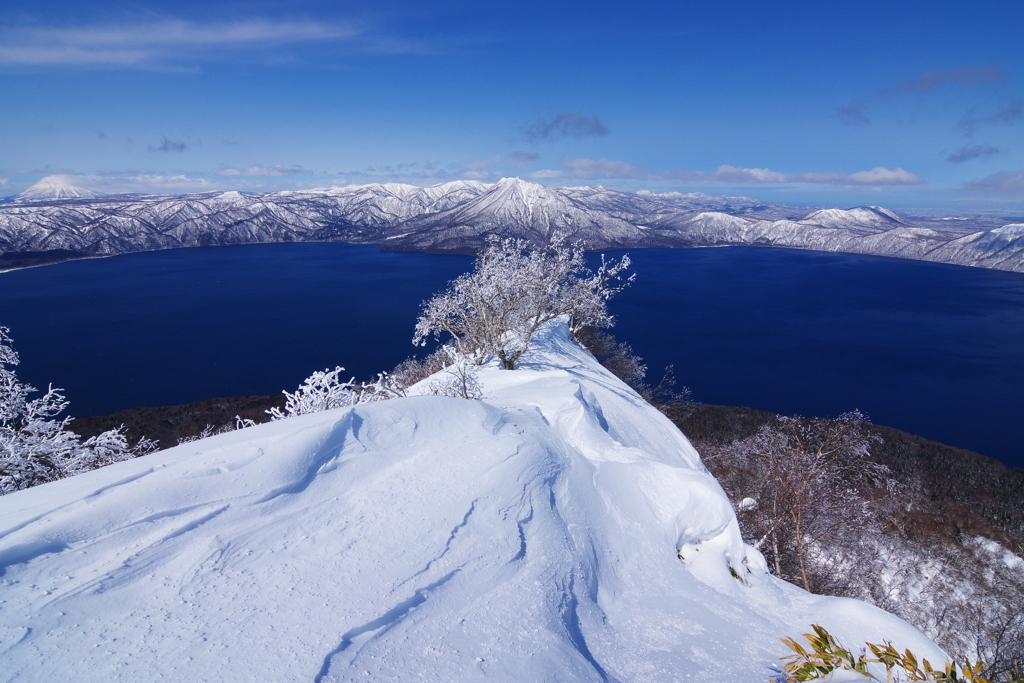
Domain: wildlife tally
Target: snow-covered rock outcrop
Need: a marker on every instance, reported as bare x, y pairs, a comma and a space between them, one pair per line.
531, 536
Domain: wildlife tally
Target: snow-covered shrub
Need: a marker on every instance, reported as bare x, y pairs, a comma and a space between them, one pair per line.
459, 378
495, 309
324, 390
243, 423
35, 447
386, 386
104, 449
209, 430
413, 370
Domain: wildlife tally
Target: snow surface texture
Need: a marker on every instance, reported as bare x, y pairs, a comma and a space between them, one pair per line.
531, 536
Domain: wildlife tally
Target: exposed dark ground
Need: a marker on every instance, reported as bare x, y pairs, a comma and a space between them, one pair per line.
167, 424
26, 259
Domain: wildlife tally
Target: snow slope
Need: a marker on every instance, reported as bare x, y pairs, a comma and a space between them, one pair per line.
532, 536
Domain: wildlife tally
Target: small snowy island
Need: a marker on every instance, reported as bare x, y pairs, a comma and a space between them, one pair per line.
561, 528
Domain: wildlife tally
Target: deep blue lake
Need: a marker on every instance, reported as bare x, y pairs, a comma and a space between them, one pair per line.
932, 349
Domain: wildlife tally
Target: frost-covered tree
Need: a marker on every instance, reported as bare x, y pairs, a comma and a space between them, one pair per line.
800, 480
35, 446
495, 309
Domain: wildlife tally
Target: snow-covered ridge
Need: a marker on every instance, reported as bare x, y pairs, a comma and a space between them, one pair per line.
457, 217
531, 536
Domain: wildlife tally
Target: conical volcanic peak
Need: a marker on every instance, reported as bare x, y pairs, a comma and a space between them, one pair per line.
55, 187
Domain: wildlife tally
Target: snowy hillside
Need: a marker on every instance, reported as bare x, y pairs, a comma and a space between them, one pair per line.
457, 217
532, 536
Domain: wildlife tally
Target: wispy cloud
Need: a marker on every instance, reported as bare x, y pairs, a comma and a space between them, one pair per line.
971, 153
157, 43
592, 169
45, 170
937, 78
475, 169
1008, 111
137, 182
520, 159
168, 145
601, 168
566, 124
1003, 181
856, 111
266, 171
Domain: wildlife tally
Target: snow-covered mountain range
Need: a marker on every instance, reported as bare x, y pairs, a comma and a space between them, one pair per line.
560, 529
457, 216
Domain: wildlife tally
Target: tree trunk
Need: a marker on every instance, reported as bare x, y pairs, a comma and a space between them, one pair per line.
506, 362
800, 541
775, 556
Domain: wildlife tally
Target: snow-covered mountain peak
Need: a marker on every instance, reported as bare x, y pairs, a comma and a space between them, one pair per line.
513, 201
55, 187
521, 188
1011, 229
559, 529
873, 216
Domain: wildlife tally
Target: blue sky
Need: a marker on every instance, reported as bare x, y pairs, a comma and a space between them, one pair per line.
904, 104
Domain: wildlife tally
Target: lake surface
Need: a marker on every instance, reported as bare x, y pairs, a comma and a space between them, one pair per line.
929, 348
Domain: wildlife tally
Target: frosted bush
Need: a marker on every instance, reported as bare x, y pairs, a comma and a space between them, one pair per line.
324, 390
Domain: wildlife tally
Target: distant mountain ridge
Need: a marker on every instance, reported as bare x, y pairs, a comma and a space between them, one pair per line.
457, 217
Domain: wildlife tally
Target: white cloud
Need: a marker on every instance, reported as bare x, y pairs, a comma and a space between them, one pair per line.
732, 174
1003, 181
546, 174
159, 42
880, 175
260, 178
607, 168
266, 171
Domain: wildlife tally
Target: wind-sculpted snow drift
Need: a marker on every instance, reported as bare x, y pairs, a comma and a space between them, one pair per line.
531, 536
457, 216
